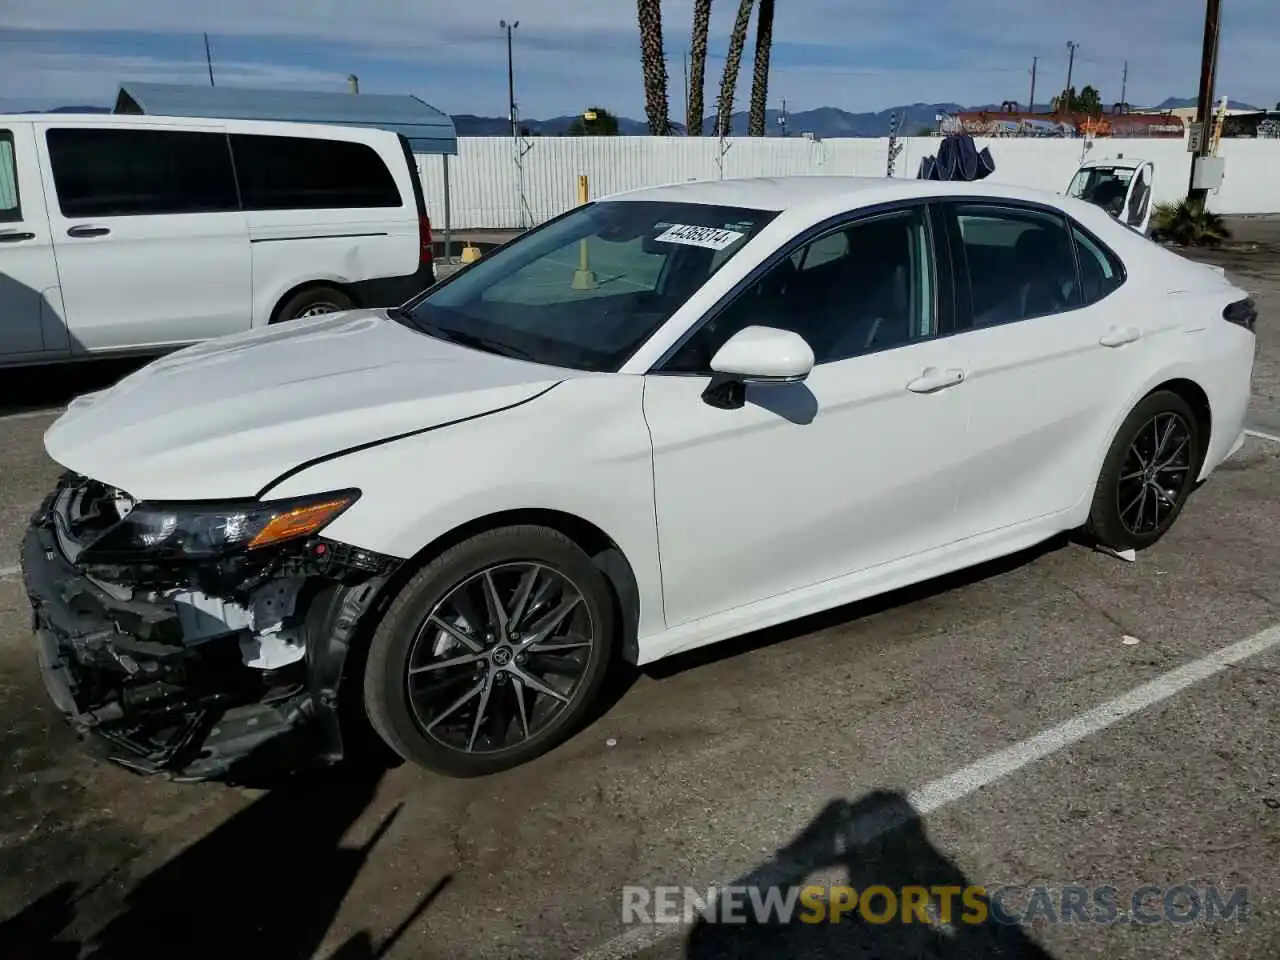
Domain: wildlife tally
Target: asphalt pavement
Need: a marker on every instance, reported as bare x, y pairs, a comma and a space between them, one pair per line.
1062, 718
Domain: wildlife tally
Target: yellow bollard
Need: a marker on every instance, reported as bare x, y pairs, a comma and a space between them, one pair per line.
583, 278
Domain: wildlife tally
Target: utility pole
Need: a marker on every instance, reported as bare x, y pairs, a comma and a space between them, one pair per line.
511, 79
1124, 83
1071, 62
1204, 105
1031, 104
782, 120
208, 59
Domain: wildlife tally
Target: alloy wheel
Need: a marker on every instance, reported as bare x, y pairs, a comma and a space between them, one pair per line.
316, 310
500, 657
1155, 475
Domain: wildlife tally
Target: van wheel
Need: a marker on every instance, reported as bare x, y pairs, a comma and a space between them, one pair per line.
492, 653
1149, 472
313, 302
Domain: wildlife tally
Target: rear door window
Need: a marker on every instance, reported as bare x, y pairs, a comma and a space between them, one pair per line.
1019, 262
10, 209
120, 173
300, 173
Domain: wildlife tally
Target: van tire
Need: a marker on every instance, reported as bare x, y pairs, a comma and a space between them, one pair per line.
313, 301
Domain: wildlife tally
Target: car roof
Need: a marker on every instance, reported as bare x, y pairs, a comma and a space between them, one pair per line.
791, 193
1122, 163
135, 120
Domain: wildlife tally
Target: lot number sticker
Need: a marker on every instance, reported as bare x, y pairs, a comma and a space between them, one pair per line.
692, 236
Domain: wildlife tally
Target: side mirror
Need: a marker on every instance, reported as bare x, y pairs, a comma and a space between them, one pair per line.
756, 355
764, 355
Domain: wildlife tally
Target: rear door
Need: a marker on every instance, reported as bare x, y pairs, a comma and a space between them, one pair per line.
152, 246
30, 305
1048, 346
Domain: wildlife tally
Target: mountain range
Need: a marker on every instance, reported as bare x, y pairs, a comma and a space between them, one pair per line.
823, 122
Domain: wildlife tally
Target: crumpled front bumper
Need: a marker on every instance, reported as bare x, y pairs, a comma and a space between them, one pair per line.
139, 696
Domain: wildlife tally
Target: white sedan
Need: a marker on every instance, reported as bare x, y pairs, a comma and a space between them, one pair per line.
652, 423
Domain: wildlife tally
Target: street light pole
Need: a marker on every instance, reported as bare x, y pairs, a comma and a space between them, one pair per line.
511, 79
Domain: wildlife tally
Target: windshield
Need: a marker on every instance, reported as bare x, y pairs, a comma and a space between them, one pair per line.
586, 290
1104, 186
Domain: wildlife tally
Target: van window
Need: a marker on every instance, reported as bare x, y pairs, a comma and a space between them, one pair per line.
9, 209
121, 173
296, 173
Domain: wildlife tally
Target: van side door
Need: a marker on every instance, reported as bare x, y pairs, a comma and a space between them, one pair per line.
152, 247
31, 326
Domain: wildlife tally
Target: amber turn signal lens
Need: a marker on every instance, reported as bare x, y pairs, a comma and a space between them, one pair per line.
299, 522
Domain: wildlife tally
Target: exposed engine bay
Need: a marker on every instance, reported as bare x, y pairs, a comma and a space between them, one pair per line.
188, 648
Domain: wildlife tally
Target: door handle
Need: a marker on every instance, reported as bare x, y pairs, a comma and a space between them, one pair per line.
15, 236
934, 379
86, 230
1119, 336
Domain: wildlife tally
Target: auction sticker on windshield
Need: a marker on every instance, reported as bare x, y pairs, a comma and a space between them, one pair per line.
711, 238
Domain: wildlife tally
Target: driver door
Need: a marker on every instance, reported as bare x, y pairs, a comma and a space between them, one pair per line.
811, 481
1137, 202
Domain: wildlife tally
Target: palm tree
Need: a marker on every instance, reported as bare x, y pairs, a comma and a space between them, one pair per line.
698, 65
760, 76
737, 40
654, 65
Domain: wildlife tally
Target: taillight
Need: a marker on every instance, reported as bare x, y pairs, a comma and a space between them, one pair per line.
1243, 313
424, 240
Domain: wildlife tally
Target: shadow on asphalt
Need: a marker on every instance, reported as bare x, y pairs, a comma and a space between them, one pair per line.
56, 385
268, 882
877, 841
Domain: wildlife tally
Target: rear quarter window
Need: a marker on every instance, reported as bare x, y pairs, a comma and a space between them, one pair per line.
299, 173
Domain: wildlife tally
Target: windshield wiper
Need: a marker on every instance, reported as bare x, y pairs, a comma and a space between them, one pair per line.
466, 339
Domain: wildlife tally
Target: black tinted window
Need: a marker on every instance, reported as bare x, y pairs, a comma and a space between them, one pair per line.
9, 208
293, 173
1020, 263
1100, 269
113, 173
860, 288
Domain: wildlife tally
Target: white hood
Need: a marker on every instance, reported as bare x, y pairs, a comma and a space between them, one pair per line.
226, 417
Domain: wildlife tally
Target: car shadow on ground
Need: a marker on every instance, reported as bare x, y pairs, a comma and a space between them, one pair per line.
268, 882
53, 386
878, 841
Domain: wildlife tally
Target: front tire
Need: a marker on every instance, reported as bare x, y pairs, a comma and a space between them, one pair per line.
492, 654
1148, 474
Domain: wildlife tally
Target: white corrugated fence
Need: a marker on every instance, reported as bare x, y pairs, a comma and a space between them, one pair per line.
485, 180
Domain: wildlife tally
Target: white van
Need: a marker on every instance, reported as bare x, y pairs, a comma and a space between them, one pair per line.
141, 234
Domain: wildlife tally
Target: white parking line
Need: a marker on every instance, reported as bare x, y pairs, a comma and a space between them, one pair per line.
32, 414
1263, 435
990, 769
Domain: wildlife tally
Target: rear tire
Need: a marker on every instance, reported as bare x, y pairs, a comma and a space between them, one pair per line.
459, 689
1148, 474
313, 302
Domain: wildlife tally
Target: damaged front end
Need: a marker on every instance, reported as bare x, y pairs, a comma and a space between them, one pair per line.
184, 639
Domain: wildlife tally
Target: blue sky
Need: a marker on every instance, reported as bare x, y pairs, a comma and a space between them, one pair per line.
855, 54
